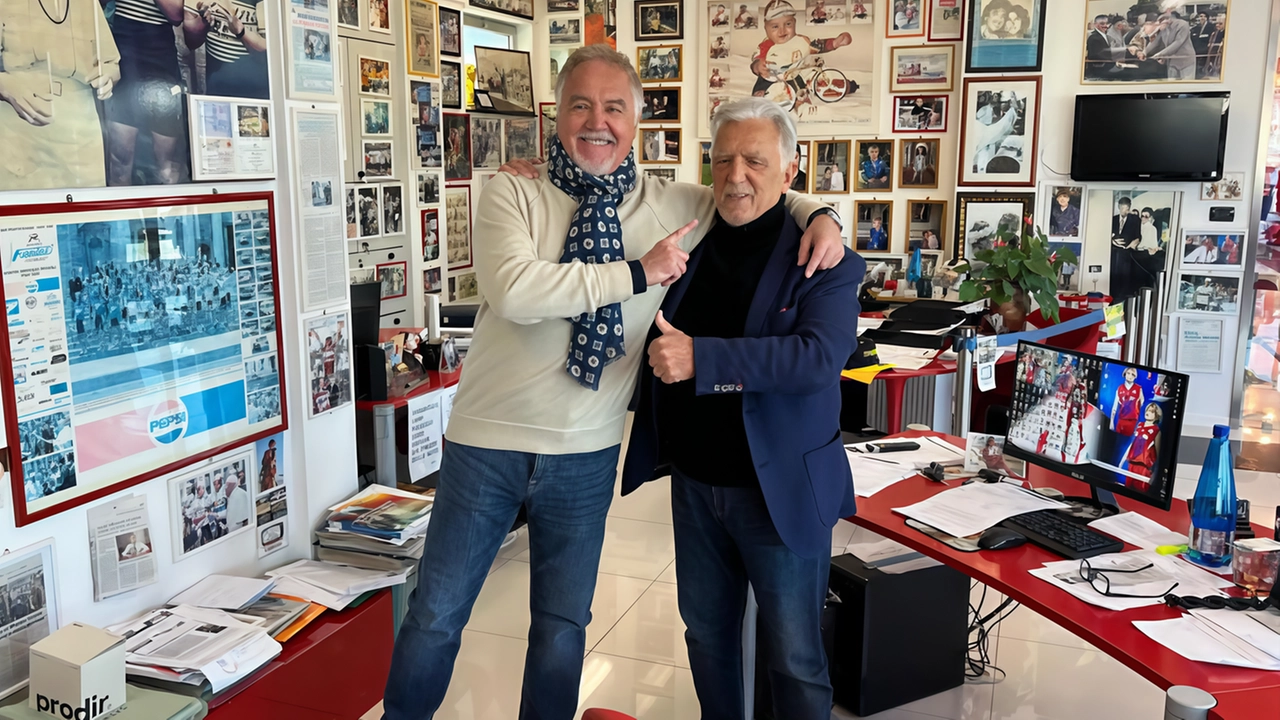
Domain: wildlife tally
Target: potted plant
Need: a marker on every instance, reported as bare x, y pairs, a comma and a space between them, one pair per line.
1016, 270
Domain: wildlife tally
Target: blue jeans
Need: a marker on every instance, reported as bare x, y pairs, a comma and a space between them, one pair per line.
479, 493
725, 539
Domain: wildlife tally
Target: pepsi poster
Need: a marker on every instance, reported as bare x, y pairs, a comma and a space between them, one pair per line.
143, 338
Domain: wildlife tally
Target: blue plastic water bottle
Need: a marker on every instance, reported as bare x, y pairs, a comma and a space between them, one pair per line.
1213, 510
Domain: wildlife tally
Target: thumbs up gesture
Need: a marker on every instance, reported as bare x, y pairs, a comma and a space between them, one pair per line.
671, 355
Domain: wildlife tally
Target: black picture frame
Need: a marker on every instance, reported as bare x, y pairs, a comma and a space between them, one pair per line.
965, 203
504, 82
451, 94
450, 45
493, 6
648, 9
986, 54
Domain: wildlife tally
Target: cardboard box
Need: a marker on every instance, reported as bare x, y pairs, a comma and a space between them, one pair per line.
77, 673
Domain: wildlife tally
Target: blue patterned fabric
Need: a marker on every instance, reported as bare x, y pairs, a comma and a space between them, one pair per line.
595, 236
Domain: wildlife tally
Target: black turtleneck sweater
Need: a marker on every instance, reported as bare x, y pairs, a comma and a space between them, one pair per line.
703, 435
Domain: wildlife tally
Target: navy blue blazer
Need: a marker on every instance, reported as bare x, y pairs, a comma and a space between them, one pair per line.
800, 332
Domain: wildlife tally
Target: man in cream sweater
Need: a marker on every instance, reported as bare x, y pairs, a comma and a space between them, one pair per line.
573, 266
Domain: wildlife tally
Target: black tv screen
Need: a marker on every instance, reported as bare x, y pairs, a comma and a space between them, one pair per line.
1150, 136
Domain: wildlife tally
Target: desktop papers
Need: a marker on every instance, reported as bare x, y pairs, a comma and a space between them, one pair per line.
873, 472
224, 592
970, 509
1138, 530
1156, 580
1222, 637
334, 586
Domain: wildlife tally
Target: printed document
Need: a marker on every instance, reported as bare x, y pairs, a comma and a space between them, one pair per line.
120, 546
971, 509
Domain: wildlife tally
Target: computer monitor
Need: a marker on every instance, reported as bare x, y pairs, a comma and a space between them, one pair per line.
1111, 424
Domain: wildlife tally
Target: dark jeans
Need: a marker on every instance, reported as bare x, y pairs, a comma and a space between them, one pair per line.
725, 539
479, 493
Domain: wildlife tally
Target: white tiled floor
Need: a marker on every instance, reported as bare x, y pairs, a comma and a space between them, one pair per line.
636, 660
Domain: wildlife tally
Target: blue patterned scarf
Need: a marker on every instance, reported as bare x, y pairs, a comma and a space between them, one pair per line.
595, 236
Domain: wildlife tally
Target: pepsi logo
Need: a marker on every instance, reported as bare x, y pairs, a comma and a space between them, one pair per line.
168, 422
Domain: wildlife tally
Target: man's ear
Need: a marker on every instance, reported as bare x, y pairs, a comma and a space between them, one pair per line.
789, 172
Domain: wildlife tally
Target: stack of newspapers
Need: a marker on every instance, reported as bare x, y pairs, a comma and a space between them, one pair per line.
329, 584
204, 649
380, 528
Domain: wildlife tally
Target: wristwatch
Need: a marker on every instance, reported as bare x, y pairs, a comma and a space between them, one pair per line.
829, 212
240, 36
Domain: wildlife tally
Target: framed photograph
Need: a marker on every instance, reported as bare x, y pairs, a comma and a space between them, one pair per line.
871, 234
451, 84
486, 143
450, 32
564, 31
660, 63
885, 266
546, 127
457, 146
660, 105
349, 14
421, 38
1134, 46
375, 76
368, 212
457, 226
1005, 36
377, 118
920, 113
1199, 344
74, 442
379, 16
1064, 206
930, 261
562, 6
660, 146
353, 229
905, 18
922, 68
515, 8
1207, 250
982, 217
926, 225
668, 174
429, 184
463, 287
504, 77
946, 20
32, 583
799, 183
392, 208
918, 162
519, 139
430, 219
1229, 189
393, 277
431, 281
875, 166
1069, 274
659, 20
377, 160
209, 504
830, 166
557, 56
1144, 230
1208, 294
998, 131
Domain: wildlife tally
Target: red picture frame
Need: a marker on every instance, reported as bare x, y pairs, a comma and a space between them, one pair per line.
404, 278
130, 428
427, 215
456, 150
960, 6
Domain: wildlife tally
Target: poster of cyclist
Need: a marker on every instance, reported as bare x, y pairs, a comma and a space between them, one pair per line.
816, 59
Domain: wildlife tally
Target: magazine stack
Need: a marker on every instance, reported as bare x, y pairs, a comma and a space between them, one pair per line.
380, 528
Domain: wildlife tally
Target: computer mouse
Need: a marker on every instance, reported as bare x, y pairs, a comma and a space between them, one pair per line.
998, 538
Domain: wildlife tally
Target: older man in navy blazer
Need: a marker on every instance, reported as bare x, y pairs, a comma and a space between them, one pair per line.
741, 405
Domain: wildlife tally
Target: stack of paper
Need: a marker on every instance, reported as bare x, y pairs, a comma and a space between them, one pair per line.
382, 512
277, 614
873, 472
1247, 639
331, 585
971, 509
224, 592
1156, 580
368, 552
1138, 530
191, 645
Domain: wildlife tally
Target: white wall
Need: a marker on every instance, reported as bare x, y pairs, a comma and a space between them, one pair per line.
318, 455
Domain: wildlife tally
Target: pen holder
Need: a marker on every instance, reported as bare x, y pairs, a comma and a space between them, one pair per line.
1255, 563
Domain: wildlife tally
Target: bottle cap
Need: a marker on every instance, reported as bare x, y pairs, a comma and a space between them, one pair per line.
1221, 431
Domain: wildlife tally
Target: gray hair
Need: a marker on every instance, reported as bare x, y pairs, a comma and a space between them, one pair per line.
756, 108
606, 54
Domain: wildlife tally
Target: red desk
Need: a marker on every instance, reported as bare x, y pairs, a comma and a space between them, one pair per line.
1109, 631
335, 669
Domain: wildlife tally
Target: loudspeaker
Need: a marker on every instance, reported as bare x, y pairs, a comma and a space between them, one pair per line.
371, 372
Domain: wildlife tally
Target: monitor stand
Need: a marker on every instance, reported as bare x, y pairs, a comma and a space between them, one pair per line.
1099, 504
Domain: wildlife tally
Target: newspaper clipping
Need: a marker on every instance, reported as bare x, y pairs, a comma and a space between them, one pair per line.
28, 610
120, 545
271, 505
231, 140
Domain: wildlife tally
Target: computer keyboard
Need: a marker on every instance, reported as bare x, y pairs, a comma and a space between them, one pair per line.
1058, 533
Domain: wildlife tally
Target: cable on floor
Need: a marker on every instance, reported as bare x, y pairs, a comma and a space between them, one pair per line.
979, 668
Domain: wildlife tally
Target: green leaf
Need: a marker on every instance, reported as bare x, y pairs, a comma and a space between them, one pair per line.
1014, 267
969, 291
1041, 267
